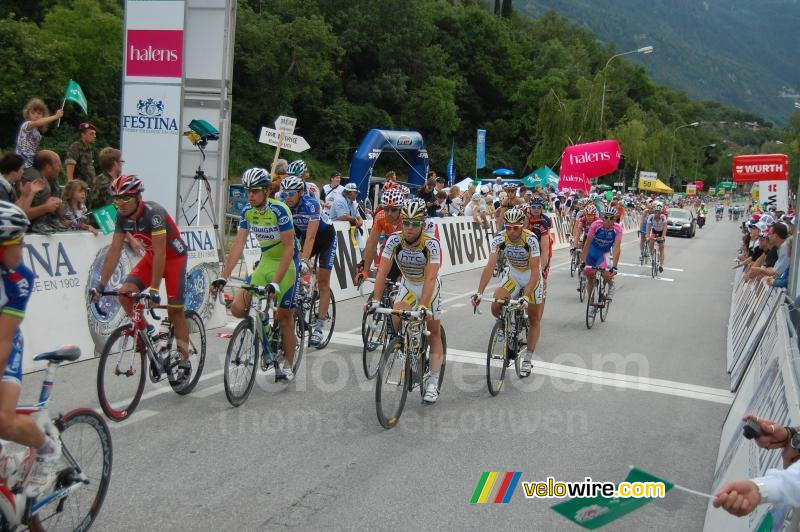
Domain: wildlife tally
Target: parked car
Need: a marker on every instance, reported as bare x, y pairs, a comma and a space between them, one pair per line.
681, 222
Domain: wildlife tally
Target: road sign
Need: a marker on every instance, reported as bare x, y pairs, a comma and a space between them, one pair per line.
619, 184
285, 124
293, 143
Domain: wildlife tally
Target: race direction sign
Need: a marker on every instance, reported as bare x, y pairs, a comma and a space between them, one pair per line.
293, 143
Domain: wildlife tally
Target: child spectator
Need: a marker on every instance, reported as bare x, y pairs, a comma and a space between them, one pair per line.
75, 211
36, 118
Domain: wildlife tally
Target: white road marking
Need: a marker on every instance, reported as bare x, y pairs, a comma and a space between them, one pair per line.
458, 305
647, 266
619, 380
137, 416
666, 279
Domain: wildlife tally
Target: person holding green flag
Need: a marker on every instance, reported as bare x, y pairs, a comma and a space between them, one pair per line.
36, 118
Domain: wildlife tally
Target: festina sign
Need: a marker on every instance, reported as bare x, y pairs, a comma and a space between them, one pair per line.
766, 167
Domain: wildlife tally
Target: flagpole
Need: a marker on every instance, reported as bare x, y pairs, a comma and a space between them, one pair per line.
63, 102
693, 492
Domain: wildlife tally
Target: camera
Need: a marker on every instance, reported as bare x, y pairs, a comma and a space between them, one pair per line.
201, 132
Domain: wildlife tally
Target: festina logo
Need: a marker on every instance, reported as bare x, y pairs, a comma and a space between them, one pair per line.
589, 157
152, 54
760, 168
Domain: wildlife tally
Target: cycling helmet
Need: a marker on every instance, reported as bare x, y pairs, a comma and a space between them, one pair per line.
126, 184
405, 190
590, 209
293, 183
296, 168
13, 222
592, 196
611, 211
256, 178
414, 209
392, 197
537, 202
514, 216
485, 189
658, 208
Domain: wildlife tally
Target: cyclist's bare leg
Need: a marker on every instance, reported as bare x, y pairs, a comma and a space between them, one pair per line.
241, 303
535, 312
399, 305
324, 284
178, 320
651, 242
286, 323
661, 252
435, 342
16, 427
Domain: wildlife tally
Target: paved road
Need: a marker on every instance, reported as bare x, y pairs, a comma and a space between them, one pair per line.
648, 387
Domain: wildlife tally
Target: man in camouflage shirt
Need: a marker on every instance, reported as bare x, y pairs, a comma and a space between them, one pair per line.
80, 159
111, 165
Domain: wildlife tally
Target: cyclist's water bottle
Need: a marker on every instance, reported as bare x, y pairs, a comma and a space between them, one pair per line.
266, 330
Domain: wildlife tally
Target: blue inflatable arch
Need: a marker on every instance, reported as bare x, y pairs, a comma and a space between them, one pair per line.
407, 144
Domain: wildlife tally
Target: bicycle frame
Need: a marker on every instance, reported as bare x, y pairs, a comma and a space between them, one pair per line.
412, 329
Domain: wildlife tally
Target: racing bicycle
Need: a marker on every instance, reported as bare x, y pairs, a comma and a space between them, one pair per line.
597, 300
258, 332
308, 303
656, 259
123, 362
82, 476
404, 365
508, 339
574, 260
376, 330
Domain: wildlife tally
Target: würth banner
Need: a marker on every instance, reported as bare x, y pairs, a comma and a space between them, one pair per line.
764, 167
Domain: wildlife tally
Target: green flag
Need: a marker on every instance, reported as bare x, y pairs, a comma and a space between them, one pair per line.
106, 218
594, 512
75, 94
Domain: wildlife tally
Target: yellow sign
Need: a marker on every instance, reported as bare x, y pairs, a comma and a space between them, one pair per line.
691, 190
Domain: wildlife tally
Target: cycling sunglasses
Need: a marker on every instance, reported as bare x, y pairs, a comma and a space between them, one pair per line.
412, 223
125, 198
290, 193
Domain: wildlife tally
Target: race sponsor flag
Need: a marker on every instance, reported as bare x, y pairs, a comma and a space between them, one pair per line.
598, 511
451, 167
480, 150
75, 94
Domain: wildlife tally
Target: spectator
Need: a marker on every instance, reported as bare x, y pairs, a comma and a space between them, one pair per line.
779, 250
44, 210
80, 157
11, 170
440, 182
441, 199
111, 165
497, 188
466, 197
427, 193
391, 179
278, 173
36, 117
345, 207
75, 211
331, 190
477, 209
455, 205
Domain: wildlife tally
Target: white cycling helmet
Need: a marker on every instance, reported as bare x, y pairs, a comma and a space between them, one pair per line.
392, 197
256, 178
610, 211
514, 216
414, 209
293, 183
13, 222
296, 168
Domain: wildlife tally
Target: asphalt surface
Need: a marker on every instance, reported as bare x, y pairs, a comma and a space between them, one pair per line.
647, 387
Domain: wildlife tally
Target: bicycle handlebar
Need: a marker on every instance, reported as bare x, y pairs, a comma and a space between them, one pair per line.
138, 296
413, 314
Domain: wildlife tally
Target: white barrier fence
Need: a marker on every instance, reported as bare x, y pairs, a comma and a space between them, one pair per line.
69, 264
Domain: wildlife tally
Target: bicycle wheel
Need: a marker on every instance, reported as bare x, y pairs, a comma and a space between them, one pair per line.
376, 331
573, 264
300, 345
327, 331
86, 448
604, 301
496, 359
581, 285
241, 362
121, 374
197, 351
654, 263
391, 386
591, 305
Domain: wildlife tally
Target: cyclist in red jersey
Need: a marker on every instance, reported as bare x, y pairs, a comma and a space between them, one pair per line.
164, 257
386, 222
539, 224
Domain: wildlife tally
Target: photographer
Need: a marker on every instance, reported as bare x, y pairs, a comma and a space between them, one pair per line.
741, 497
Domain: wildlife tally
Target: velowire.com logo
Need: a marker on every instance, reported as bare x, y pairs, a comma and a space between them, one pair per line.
495, 487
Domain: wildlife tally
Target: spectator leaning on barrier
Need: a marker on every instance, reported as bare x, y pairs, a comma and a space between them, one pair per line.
778, 240
44, 210
35, 122
80, 154
345, 208
76, 215
11, 170
778, 487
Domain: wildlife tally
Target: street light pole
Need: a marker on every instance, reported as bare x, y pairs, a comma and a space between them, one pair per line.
697, 159
643, 50
674, 140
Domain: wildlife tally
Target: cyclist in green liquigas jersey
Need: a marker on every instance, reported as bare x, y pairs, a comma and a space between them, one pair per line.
270, 221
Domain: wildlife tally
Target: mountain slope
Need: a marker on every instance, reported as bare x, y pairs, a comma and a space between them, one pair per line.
738, 52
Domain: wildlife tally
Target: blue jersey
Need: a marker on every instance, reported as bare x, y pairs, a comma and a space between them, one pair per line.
603, 239
15, 291
306, 211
